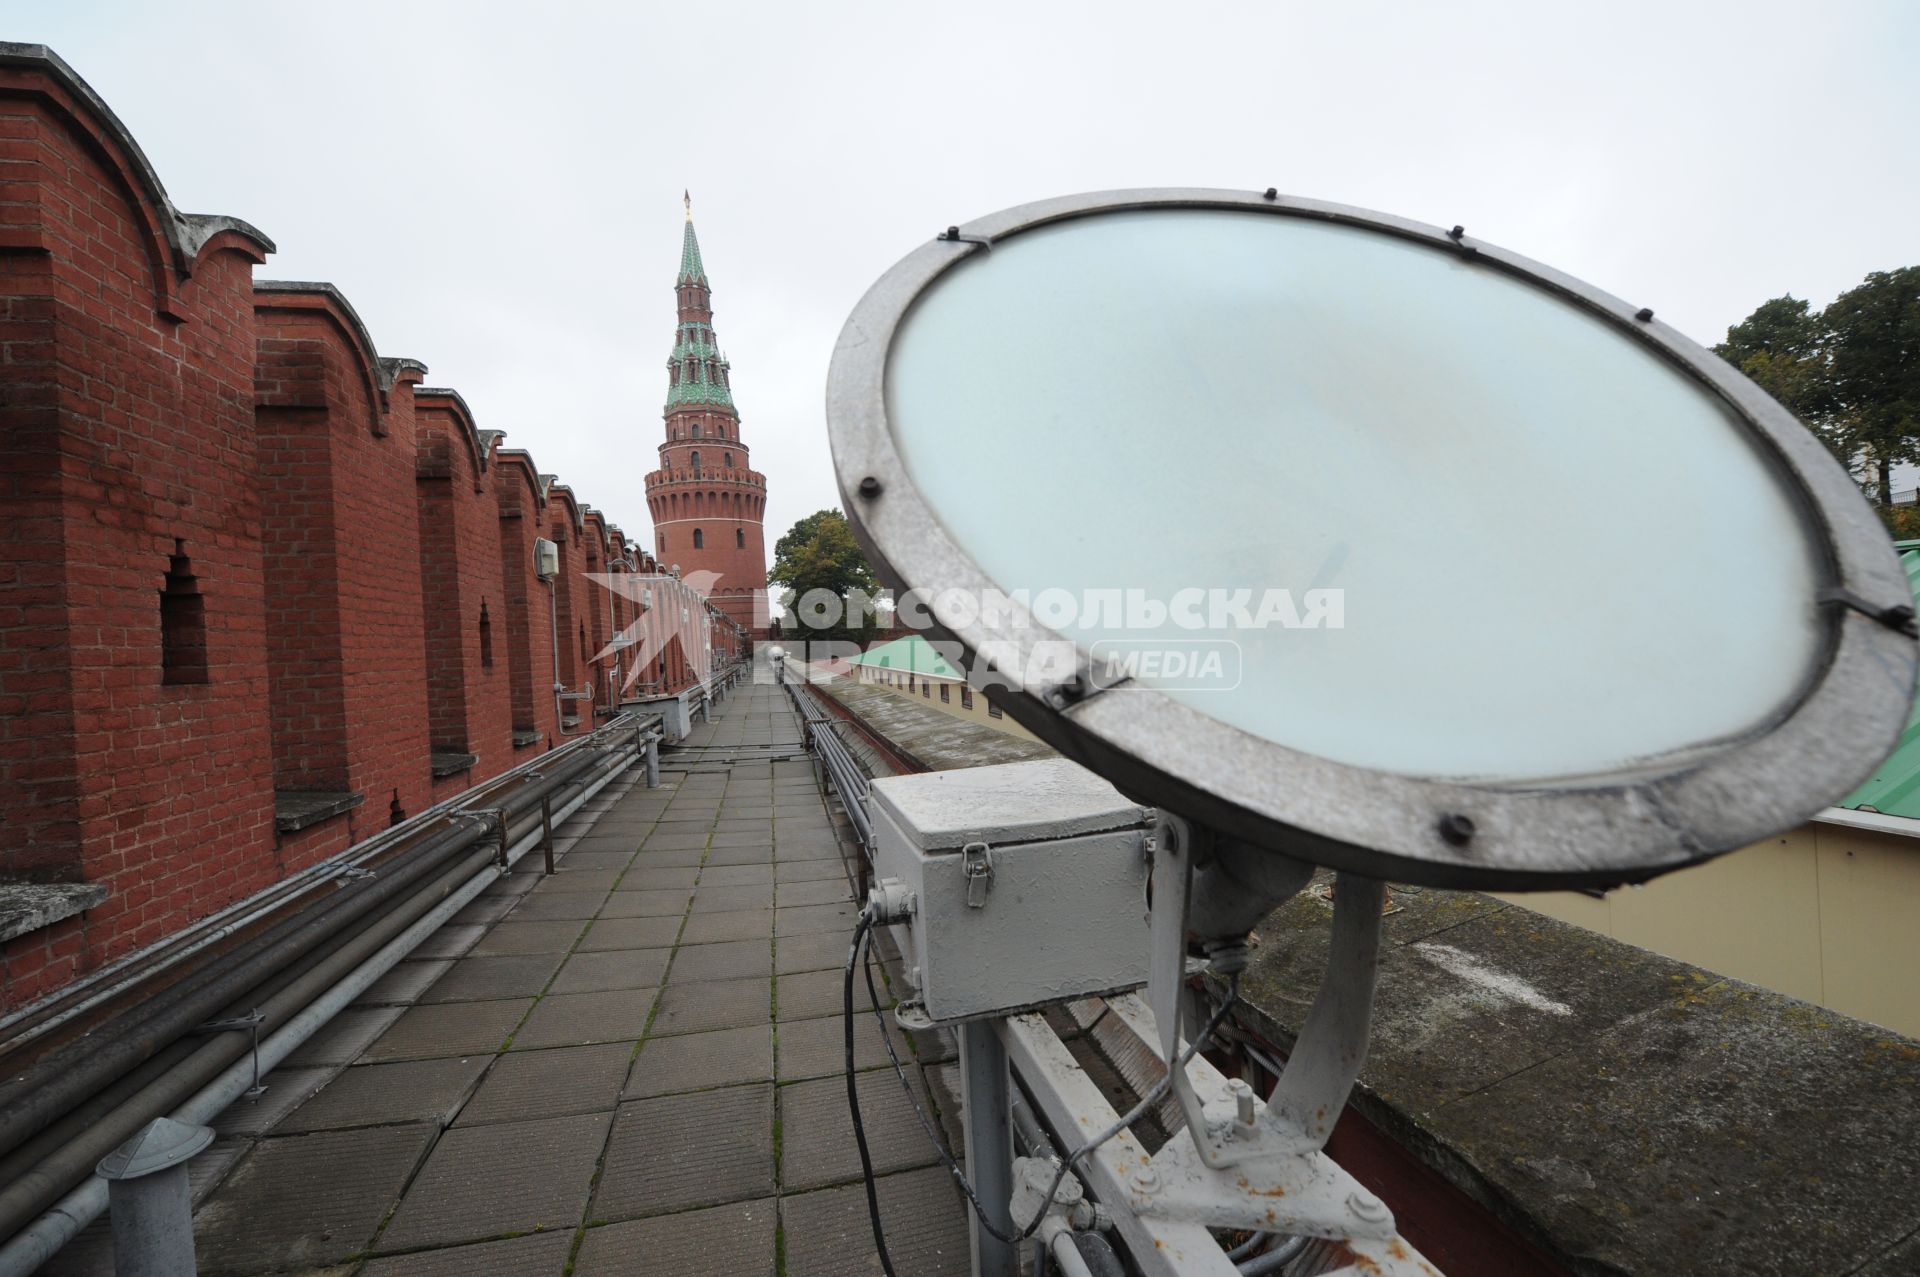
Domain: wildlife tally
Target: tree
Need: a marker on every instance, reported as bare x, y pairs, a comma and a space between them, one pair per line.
1851, 371
819, 554
1873, 369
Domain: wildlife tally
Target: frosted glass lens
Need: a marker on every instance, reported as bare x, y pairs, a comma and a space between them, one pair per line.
1555, 554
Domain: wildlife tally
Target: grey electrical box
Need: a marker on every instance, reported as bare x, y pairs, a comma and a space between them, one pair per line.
1025, 884
546, 559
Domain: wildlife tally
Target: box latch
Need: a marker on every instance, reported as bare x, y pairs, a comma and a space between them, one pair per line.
976, 862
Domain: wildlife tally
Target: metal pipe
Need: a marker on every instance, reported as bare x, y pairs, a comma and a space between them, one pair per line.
25, 1188
40, 1186
73, 1116
40, 1240
37, 1095
1284, 1252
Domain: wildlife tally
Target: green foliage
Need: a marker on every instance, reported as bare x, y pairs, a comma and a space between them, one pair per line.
819, 553
1851, 371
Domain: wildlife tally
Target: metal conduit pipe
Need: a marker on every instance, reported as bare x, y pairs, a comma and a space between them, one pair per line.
39, 1241
59, 1083
116, 978
51, 1085
30, 1193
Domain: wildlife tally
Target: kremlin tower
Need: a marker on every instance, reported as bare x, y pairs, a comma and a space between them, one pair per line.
707, 502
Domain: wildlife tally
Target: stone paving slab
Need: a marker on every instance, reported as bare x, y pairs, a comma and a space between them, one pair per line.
602, 970
736, 875
726, 960
809, 995
631, 933
648, 876
821, 891
737, 1239
828, 1233
450, 1028
404, 983
511, 937
488, 1181
674, 858
570, 879
680, 1151
574, 1019
483, 911
760, 855
536, 1255
525, 1085
384, 1094
800, 919
583, 858
307, 1200
576, 906
816, 1145
487, 979
701, 1061
287, 1089
343, 1037
700, 1005
810, 870
647, 904
450, 941
820, 951
724, 899
817, 1048
739, 924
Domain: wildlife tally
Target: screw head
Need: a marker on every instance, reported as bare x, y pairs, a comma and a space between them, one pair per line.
1644, 314
1456, 233
1147, 1180
1272, 193
1368, 1207
869, 487
1456, 830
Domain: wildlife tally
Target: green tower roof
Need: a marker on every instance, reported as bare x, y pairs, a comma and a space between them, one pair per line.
692, 271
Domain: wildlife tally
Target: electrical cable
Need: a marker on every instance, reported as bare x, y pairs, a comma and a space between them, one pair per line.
1147, 1101
860, 934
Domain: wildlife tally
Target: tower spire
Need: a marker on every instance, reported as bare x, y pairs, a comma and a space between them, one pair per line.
692, 270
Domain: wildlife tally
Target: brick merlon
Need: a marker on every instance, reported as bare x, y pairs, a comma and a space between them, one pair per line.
479, 442
187, 233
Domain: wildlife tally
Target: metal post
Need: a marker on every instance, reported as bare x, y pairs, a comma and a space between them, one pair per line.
653, 762
546, 828
150, 1201
985, 1099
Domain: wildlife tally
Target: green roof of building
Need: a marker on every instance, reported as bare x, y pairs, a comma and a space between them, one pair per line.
1895, 787
912, 654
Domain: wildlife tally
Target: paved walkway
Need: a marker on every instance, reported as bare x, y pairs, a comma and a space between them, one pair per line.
631, 1067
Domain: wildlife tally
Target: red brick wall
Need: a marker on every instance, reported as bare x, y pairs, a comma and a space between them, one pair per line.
126, 425
523, 512
344, 596
462, 572
326, 542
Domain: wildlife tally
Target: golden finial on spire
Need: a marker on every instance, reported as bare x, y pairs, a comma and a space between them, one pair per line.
686, 197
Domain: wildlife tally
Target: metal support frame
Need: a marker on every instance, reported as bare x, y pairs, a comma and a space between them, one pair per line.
986, 1103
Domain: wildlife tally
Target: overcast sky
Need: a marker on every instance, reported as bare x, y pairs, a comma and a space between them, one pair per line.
496, 187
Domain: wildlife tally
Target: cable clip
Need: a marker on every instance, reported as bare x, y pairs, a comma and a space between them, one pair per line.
1899, 617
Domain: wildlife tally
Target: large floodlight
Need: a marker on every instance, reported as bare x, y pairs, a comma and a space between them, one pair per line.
1367, 541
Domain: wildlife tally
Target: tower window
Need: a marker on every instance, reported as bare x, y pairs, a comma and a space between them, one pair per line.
728, 458
183, 622
486, 639
699, 541
663, 543
696, 457
696, 430
739, 538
